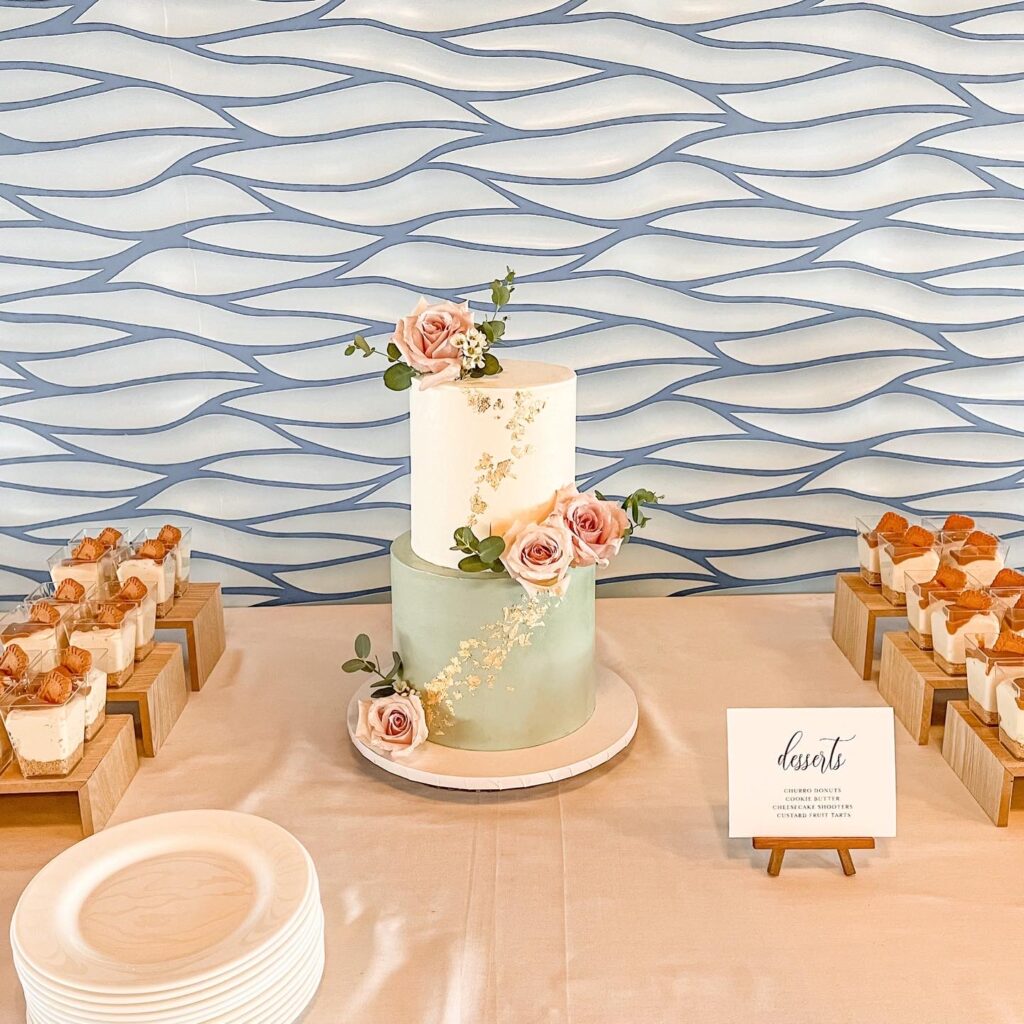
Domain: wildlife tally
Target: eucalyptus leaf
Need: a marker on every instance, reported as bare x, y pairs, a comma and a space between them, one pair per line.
465, 539
491, 549
398, 376
473, 563
491, 365
384, 691
353, 665
363, 645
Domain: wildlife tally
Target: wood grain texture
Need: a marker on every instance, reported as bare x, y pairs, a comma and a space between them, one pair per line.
984, 765
909, 681
200, 613
156, 696
855, 613
778, 845
109, 763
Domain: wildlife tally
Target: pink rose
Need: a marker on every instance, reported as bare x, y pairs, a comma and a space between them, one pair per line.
424, 339
394, 725
538, 555
597, 526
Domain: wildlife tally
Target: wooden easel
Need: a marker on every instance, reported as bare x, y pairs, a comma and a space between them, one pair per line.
841, 844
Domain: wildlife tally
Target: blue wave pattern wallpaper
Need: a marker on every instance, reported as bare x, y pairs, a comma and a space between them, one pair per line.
781, 243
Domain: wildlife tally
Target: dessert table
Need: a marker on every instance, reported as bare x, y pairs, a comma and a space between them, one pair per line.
611, 897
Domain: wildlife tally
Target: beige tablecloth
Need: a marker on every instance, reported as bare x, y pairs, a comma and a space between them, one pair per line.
614, 897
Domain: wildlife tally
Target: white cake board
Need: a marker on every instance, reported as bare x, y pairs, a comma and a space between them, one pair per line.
609, 730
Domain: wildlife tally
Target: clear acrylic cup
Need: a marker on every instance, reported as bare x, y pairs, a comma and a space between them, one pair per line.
16, 669
48, 739
983, 562
896, 559
1010, 706
951, 627
92, 681
44, 639
158, 574
983, 665
90, 573
143, 614
69, 608
110, 642
181, 551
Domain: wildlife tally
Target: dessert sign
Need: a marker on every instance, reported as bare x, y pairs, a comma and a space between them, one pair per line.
811, 772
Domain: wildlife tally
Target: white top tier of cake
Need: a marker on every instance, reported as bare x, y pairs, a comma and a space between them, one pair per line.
488, 450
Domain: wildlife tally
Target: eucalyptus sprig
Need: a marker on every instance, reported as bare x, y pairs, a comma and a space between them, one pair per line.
482, 554
494, 327
633, 506
385, 685
399, 375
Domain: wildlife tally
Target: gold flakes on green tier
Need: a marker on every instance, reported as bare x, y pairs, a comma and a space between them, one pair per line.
488, 651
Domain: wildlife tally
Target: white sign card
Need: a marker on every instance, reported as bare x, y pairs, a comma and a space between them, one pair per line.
804, 772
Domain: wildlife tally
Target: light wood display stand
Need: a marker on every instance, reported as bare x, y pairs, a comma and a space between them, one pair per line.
108, 764
984, 765
856, 611
841, 844
909, 680
200, 614
156, 694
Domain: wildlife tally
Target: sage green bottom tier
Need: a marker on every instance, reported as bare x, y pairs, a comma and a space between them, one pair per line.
496, 668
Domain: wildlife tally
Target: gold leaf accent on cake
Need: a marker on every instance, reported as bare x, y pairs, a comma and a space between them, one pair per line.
489, 649
526, 411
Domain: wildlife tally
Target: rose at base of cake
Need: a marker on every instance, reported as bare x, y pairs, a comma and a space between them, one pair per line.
495, 668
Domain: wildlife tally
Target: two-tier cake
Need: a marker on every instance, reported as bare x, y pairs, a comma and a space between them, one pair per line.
496, 666
493, 587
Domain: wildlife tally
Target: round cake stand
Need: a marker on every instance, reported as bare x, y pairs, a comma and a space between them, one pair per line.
609, 730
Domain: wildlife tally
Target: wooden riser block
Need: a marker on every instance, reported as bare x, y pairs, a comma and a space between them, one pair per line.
109, 763
855, 614
155, 695
984, 765
200, 614
909, 681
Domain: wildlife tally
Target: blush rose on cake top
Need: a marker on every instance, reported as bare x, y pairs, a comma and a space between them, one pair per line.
441, 341
493, 588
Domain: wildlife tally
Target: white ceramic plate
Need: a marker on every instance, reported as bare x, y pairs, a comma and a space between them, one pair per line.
118, 1002
162, 902
610, 729
249, 996
281, 1007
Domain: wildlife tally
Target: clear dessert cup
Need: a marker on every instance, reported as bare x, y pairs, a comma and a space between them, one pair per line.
140, 605
952, 624
1010, 705
108, 634
896, 558
90, 572
42, 638
923, 596
48, 736
89, 672
157, 572
115, 547
869, 545
178, 540
983, 561
983, 676
16, 669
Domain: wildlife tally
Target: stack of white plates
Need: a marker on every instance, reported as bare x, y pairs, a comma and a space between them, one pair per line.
194, 917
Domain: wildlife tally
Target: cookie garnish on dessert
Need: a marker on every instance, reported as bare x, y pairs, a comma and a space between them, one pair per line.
55, 687
45, 613
77, 661
69, 591
109, 537
1009, 578
957, 523
133, 589
13, 662
169, 535
88, 549
155, 549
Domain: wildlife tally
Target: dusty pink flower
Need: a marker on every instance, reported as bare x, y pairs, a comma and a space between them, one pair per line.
425, 339
597, 526
394, 725
538, 555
